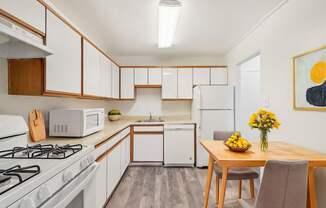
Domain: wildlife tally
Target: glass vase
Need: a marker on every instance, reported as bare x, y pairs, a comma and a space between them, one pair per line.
263, 140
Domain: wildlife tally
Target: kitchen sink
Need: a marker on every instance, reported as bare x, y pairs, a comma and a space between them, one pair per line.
150, 120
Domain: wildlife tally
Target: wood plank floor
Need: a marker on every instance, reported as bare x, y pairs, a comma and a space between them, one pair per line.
159, 187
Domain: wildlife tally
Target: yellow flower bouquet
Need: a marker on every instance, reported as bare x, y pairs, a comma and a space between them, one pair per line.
265, 121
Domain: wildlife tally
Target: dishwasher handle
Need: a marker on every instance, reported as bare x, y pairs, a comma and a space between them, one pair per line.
179, 127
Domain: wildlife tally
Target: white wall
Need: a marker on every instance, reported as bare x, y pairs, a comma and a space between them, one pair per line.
296, 27
149, 101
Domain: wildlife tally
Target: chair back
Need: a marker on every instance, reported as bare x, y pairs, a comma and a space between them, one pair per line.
284, 185
222, 135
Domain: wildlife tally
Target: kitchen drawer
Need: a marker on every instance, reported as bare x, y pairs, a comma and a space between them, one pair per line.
148, 128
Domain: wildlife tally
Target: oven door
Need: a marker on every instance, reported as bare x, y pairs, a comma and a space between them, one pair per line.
93, 121
76, 193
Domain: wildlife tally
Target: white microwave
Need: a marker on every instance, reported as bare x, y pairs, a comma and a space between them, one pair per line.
75, 122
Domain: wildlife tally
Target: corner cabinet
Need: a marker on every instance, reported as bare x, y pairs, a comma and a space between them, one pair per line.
63, 68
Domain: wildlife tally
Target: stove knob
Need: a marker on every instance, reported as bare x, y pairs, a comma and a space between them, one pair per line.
90, 159
27, 203
43, 193
67, 176
83, 164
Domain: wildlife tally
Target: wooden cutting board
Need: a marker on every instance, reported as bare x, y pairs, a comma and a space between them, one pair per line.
36, 126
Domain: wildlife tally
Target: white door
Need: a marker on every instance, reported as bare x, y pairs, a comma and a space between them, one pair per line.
179, 145
184, 83
115, 81
122, 157
103, 75
201, 76
219, 76
92, 70
109, 79
127, 152
249, 96
216, 97
30, 11
148, 147
155, 76
141, 75
101, 180
127, 83
63, 68
113, 169
210, 121
170, 83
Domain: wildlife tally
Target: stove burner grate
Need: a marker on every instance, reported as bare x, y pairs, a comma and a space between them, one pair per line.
18, 172
41, 151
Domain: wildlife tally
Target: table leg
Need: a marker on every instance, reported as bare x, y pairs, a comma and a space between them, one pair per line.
223, 187
311, 199
209, 180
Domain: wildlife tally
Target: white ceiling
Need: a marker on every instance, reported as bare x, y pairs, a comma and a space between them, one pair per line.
129, 27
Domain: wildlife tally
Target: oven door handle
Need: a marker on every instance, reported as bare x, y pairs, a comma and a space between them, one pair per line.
65, 195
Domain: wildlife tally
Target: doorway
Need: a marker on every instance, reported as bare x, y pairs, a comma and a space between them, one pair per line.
249, 95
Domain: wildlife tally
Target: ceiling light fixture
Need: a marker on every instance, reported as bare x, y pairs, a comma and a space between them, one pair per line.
168, 16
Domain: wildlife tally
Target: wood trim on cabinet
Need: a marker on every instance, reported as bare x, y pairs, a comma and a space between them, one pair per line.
148, 132
106, 140
101, 157
148, 86
53, 93
82, 67
176, 99
22, 23
132, 135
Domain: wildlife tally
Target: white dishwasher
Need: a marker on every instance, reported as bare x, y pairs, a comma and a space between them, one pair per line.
179, 144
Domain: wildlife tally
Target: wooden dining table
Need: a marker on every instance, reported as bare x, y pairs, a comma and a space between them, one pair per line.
219, 154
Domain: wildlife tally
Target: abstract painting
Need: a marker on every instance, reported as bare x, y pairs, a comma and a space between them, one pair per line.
310, 80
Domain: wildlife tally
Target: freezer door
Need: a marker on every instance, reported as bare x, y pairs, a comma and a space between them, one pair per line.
216, 97
212, 120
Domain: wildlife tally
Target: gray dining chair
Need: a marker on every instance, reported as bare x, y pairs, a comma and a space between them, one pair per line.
284, 185
234, 173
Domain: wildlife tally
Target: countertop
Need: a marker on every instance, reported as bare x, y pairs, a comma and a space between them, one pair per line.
113, 127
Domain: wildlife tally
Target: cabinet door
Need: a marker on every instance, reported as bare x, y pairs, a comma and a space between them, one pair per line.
103, 75
170, 83
101, 181
141, 75
148, 147
63, 68
155, 76
219, 76
113, 169
184, 83
127, 152
127, 83
92, 72
29, 11
108, 85
115, 81
201, 76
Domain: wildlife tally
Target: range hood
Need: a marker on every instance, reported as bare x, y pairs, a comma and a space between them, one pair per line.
17, 43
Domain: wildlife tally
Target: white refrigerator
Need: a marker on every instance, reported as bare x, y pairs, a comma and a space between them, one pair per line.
212, 110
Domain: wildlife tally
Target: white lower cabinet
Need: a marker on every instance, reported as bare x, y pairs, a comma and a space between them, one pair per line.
179, 144
100, 183
148, 147
113, 169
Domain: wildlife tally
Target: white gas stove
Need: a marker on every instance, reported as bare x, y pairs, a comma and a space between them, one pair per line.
41, 175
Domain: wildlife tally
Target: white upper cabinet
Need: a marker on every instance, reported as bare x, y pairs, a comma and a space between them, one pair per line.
108, 88
92, 72
127, 83
63, 68
29, 11
103, 75
184, 83
201, 76
219, 76
170, 83
141, 75
115, 81
155, 76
